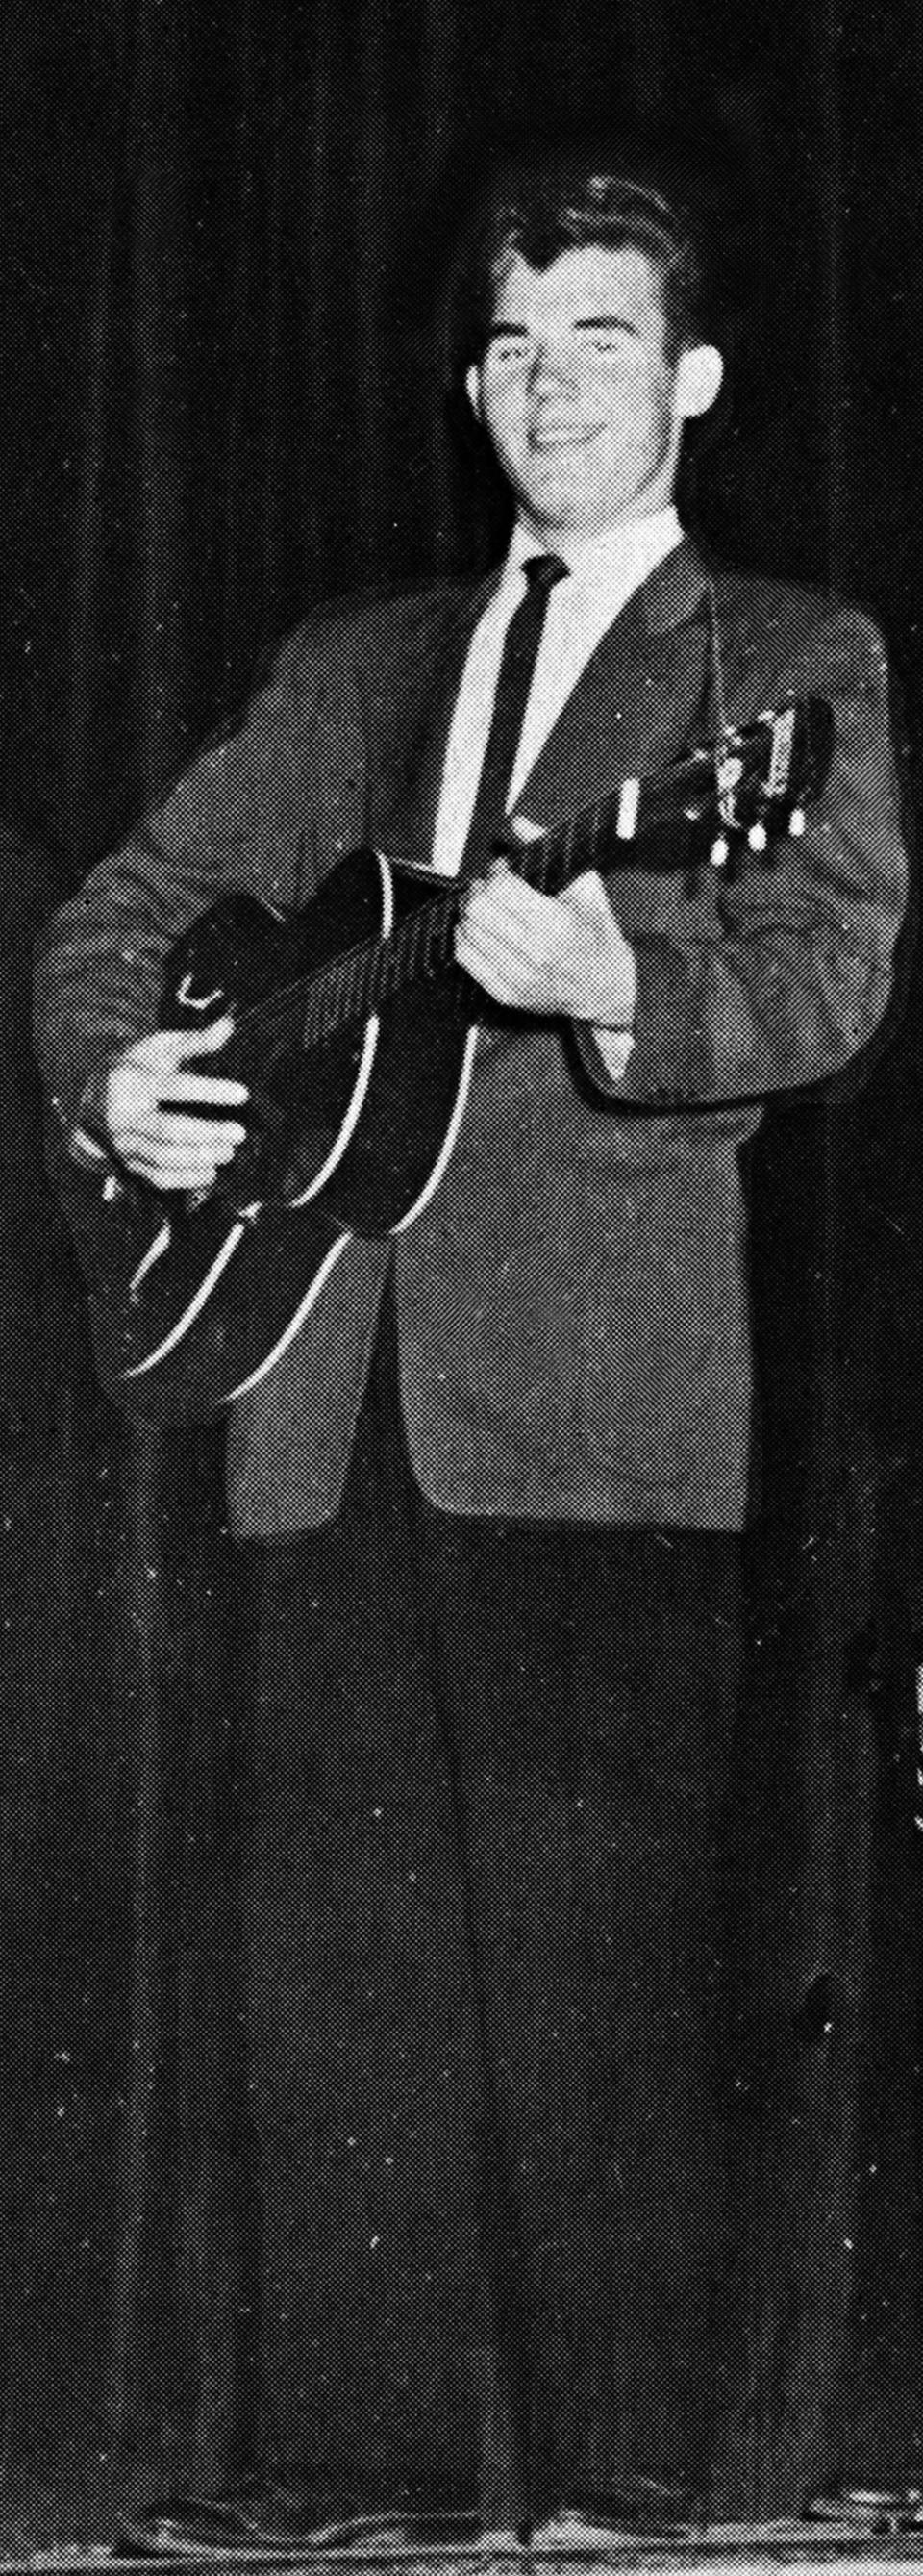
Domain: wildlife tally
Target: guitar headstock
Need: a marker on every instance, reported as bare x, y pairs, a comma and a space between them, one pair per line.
753, 782
764, 776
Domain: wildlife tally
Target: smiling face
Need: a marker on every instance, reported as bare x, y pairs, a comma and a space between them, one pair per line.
578, 395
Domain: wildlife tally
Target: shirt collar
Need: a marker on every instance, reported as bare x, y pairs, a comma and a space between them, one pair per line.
622, 557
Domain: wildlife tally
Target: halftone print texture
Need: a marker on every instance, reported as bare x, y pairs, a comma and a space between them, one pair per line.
454, 1795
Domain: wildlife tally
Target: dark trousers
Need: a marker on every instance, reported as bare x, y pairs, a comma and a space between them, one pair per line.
489, 1816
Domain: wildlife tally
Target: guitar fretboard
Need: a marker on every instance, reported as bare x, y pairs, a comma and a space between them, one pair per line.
358, 982
771, 762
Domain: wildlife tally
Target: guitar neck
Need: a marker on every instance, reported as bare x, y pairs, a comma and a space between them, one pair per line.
603, 836
358, 982
754, 775
619, 831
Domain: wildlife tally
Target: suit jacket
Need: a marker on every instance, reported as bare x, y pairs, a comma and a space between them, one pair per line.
573, 1303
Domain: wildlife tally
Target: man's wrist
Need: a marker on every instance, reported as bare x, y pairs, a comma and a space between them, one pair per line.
616, 1019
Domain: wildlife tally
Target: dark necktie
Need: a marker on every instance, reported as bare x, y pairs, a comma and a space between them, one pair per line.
514, 680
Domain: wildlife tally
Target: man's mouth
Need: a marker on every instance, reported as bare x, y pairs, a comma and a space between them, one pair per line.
547, 435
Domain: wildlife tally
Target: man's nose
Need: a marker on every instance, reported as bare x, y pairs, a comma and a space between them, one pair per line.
552, 364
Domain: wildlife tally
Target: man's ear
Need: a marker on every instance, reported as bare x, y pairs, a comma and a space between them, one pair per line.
699, 378
473, 391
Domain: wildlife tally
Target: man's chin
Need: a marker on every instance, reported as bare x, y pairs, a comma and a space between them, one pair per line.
557, 502
555, 484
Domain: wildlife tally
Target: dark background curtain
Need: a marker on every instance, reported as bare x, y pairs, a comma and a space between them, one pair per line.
217, 237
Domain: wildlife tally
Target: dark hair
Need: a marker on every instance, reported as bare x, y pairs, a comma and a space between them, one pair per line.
536, 213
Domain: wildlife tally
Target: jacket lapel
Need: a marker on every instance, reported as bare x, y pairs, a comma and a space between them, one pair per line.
642, 695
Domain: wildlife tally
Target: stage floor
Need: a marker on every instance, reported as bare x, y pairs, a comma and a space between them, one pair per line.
801, 2549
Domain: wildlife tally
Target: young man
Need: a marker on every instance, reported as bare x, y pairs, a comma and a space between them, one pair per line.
500, 1476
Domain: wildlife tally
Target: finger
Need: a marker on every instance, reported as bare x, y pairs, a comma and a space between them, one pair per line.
163, 1134
513, 920
215, 1091
518, 949
515, 895
182, 1042
137, 1099
166, 1051
588, 896
172, 1165
498, 897
491, 969
162, 1061
487, 921
490, 931
157, 1123
192, 1176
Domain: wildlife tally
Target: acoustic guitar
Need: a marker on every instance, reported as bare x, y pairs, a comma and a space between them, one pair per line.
355, 1033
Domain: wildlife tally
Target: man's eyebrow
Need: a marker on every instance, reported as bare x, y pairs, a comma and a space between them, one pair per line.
581, 322
605, 322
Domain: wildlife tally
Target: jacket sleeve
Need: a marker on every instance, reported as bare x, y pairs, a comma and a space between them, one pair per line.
778, 975
242, 816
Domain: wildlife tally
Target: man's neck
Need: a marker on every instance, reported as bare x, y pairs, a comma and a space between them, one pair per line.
652, 535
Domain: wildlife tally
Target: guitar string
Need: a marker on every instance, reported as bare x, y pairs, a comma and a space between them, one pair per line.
342, 982
354, 983
341, 990
350, 985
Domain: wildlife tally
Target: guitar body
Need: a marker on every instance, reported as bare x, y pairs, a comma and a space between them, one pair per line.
355, 1033
189, 1308
194, 1301
327, 1118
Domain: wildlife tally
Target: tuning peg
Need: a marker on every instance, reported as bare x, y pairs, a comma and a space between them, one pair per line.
796, 823
758, 838
720, 852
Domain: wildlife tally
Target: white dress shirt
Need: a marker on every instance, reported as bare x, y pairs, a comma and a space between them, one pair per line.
603, 575
604, 572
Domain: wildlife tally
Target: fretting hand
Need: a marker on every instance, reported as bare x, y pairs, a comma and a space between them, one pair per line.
149, 1106
548, 954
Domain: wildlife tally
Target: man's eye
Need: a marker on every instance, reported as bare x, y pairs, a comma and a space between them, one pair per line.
608, 341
